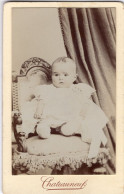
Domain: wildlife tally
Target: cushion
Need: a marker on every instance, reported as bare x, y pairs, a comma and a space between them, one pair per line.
56, 144
55, 152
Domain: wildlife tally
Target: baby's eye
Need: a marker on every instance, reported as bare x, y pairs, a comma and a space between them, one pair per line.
56, 74
65, 74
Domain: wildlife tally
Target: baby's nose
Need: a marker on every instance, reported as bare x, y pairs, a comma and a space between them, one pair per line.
61, 77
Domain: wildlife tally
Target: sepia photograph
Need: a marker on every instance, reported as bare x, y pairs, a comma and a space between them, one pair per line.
63, 91
63, 113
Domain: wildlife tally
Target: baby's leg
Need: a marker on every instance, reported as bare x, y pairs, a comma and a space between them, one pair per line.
94, 148
71, 127
43, 130
91, 136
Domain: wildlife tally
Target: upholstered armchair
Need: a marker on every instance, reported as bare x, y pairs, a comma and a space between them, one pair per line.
58, 154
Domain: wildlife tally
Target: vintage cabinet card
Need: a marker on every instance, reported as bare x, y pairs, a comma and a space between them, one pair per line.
63, 97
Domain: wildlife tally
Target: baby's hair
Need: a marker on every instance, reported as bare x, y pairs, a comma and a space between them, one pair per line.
65, 60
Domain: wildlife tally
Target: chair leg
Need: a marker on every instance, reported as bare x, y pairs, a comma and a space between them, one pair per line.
14, 172
67, 170
83, 170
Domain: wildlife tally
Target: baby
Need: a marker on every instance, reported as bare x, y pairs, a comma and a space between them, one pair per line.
68, 106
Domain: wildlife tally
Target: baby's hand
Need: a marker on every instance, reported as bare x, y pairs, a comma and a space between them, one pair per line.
39, 110
37, 115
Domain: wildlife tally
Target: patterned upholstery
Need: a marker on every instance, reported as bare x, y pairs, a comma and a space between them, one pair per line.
36, 62
26, 66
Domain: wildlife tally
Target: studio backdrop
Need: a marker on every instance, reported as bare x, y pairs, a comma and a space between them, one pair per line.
89, 36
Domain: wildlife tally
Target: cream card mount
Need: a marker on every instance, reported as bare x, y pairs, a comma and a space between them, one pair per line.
35, 34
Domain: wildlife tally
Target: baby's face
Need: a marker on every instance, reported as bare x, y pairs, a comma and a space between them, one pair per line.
63, 74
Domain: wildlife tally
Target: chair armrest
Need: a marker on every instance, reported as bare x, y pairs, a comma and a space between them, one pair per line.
20, 136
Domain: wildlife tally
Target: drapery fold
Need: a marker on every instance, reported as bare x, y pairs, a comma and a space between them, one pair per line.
89, 36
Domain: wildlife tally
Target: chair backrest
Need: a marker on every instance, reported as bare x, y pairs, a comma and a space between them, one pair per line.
19, 81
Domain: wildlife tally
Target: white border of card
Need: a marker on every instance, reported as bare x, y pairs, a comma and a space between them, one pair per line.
112, 184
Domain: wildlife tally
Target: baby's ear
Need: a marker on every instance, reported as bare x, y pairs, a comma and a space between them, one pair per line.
75, 79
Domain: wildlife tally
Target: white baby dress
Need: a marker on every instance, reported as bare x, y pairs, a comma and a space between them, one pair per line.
65, 104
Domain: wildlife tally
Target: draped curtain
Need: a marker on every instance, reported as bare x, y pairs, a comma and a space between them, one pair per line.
89, 36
